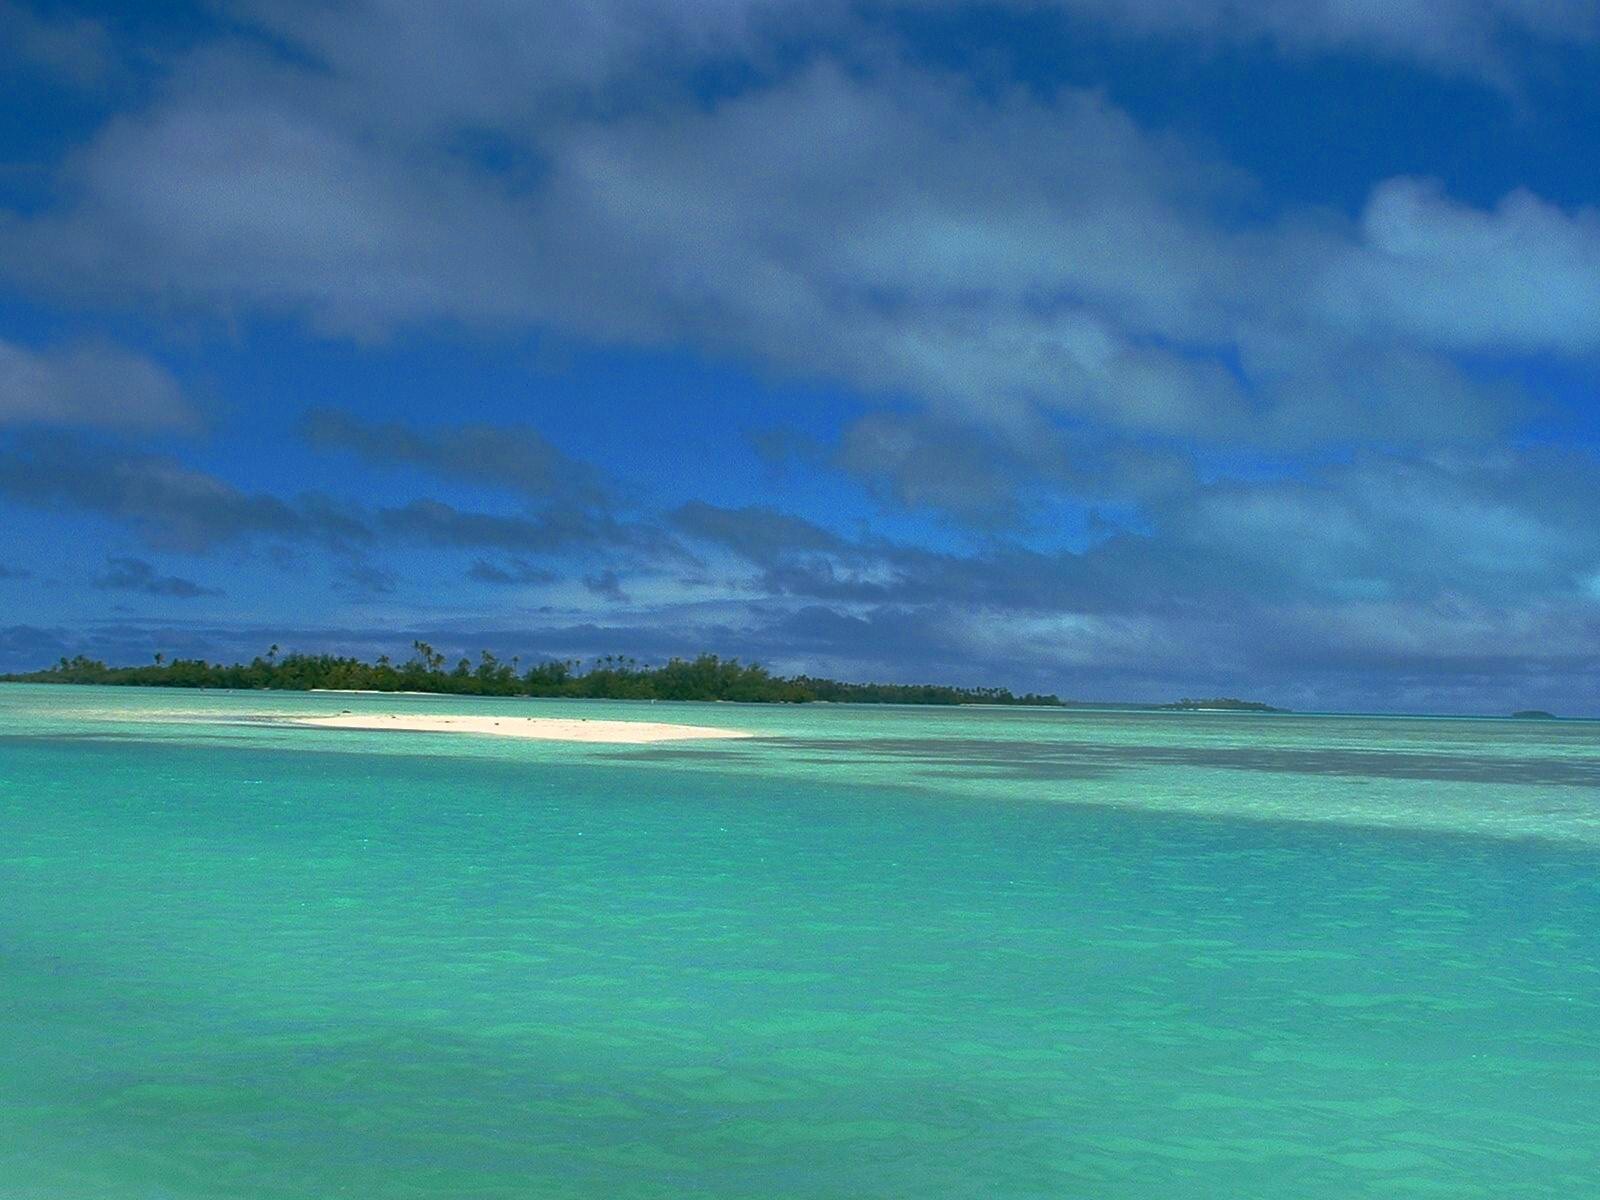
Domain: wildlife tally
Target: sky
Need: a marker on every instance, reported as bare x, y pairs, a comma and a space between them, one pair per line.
1123, 349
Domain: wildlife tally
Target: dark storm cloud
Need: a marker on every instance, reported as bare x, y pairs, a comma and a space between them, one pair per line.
1497, 528
1415, 583
920, 464
512, 571
571, 509
137, 575
29, 647
607, 585
890, 638
130, 642
170, 504
177, 507
516, 459
796, 558
363, 580
554, 530
1388, 568
755, 533
966, 474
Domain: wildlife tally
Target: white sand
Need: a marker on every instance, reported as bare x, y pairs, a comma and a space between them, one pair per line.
549, 729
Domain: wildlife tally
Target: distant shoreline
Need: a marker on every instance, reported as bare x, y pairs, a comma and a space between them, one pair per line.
707, 677
614, 677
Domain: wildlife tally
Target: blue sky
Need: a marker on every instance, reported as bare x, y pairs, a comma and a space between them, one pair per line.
1119, 348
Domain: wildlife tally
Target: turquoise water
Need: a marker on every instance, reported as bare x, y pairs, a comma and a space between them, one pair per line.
873, 953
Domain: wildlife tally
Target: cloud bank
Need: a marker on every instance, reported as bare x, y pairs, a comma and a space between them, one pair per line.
1124, 418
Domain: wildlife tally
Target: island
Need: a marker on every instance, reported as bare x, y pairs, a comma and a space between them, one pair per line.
612, 677
1533, 714
1220, 704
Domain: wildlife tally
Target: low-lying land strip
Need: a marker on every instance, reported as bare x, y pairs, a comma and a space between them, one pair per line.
613, 677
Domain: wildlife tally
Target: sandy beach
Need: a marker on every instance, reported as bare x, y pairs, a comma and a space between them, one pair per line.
549, 729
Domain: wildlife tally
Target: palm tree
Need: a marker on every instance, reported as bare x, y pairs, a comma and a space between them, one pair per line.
430, 658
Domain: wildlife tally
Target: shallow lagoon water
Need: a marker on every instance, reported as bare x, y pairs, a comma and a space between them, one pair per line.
875, 952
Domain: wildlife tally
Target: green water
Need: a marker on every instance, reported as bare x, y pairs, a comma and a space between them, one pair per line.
874, 953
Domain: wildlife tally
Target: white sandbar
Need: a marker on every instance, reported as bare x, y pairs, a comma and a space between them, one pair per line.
549, 729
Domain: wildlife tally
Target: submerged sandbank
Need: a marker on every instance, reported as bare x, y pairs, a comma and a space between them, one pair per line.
549, 729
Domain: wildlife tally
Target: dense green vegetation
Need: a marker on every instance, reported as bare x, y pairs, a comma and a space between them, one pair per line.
613, 678
1223, 703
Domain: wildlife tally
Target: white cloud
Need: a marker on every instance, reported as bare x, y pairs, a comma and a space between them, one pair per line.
1096, 296
1469, 36
1007, 261
1524, 276
1498, 527
88, 384
477, 59
76, 49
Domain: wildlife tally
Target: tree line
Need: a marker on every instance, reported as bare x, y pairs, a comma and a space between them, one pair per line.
612, 677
